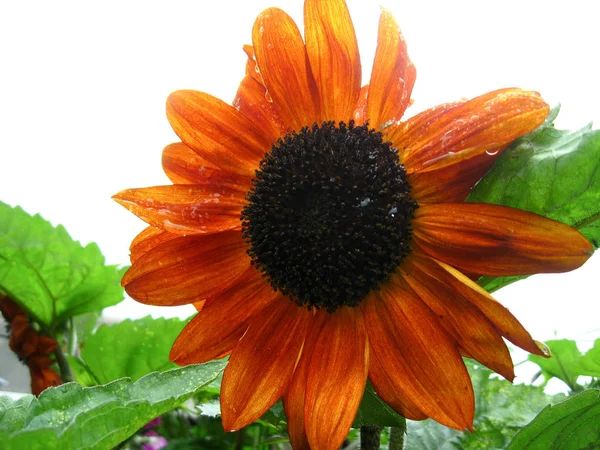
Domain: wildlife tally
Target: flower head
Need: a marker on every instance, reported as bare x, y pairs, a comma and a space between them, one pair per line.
325, 241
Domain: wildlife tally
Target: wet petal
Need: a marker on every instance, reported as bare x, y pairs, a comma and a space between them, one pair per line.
187, 208
252, 69
476, 335
262, 364
485, 122
187, 269
251, 101
421, 360
451, 178
503, 320
217, 131
293, 399
496, 240
337, 378
149, 238
283, 62
218, 327
393, 74
333, 54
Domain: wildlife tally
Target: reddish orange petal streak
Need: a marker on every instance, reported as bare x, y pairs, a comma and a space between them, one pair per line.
261, 366
421, 360
149, 238
503, 320
393, 74
496, 240
333, 54
217, 131
284, 67
485, 122
187, 269
187, 208
293, 399
336, 381
475, 334
385, 386
251, 101
223, 320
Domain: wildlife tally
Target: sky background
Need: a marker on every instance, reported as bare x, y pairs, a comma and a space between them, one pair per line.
84, 83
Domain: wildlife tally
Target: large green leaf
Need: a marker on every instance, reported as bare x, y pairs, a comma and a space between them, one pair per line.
70, 417
501, 409
550, 172
568, 363
571, 425
48, 273
132, 348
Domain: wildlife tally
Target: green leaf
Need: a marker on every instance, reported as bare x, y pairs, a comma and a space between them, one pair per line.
568, 363
375, 412
48, 273
83, 375
12, 413
70, 417
565, 363
571, 425
550, 172
590, 362
132, 348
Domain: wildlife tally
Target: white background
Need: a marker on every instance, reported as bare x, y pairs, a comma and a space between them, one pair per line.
83, 86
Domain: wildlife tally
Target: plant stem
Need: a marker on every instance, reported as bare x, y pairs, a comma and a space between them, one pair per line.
397, 437
66, 374
370, 438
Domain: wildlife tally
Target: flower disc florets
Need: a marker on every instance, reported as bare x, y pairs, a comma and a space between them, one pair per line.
328, 217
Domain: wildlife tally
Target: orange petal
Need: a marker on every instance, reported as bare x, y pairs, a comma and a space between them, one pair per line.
149, 238
385, 387
496, 240
184, 166
393, 74
293, 398
475, 334
337, 376
218, 327
333, 54
187, 269
503, 320
252, 101
360, 112
284, 67
421, 360
262, 364
187, 208
485, 122
453, 177
217, 131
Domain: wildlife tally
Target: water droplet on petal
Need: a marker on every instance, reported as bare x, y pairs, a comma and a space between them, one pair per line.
268, 97
492, 152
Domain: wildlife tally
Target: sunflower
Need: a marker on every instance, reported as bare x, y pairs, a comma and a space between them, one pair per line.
326, 242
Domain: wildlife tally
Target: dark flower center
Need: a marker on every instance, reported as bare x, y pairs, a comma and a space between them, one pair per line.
328, 216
